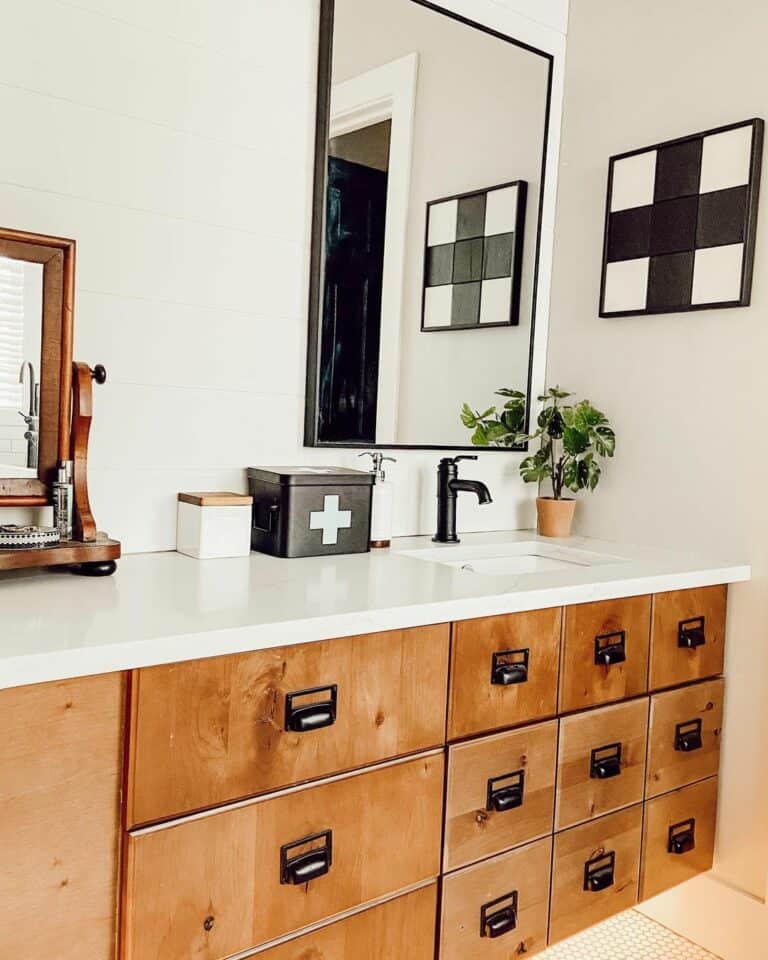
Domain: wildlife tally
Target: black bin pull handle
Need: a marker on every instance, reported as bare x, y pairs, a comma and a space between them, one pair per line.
303, 717
506, 792
611, 648
688, 736
509, 667
599, 872
499, 916
691, 633
307, 859
271, 512
605, 762
682, 837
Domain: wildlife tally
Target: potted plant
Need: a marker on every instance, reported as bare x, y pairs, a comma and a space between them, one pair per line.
572, 437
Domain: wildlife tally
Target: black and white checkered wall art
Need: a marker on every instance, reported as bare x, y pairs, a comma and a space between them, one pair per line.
680, 223
473, 259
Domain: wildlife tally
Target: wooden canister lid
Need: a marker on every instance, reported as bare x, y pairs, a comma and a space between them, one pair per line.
216, 498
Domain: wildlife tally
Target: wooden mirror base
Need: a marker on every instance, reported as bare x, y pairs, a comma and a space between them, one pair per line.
90, 554
72, 552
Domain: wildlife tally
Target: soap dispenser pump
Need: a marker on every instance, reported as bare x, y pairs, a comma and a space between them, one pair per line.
381, 505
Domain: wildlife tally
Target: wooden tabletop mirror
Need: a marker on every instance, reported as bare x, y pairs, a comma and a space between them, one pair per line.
45, 406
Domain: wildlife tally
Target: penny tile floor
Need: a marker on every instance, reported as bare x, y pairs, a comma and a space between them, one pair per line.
628, 936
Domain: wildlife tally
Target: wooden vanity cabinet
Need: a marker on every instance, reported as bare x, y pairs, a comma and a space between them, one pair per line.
532, 773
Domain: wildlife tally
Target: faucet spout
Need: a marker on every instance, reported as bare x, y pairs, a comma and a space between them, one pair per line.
477, 487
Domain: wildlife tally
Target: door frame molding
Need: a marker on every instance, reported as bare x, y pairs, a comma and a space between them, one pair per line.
387, 92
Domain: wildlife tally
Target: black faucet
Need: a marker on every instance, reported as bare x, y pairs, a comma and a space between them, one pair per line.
448, 485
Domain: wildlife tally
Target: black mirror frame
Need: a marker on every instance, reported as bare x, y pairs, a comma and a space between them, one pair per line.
317, 251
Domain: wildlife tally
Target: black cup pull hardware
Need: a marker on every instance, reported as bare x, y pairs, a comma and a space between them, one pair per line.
303, 716
688, 736
611, 648
605, 762
264, 517
599, 871
506, 792
691, 634
499, 916
306, 859
509, 666
682, 837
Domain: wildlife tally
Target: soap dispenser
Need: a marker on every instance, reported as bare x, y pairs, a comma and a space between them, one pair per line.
381, 505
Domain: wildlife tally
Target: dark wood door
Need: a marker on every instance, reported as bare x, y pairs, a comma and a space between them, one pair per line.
349, 363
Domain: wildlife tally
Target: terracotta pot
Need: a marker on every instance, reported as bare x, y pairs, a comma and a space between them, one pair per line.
555, 516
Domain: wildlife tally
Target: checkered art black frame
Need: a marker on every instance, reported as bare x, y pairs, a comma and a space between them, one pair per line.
473, 259
680, 223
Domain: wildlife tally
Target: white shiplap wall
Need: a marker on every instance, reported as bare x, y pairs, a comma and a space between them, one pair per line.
174, 142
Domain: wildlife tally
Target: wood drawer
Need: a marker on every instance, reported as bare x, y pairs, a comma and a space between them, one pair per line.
207, 732
501, 793
401, 928
484, 695
605, 652
605, 851
684, 737
511, 890
688, 637
673, 817
222, 877
601, 762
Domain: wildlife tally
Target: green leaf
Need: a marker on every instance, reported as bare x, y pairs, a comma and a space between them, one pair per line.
571, 477
604, 440
574, 441
480, 436
495, 431
545, 416
514, 419
486, 413
506, 392
534, 470
468, 417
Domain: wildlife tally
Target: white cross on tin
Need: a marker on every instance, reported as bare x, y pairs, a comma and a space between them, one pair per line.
330, 520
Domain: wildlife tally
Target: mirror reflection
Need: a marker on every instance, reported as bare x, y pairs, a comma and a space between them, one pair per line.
436, 150
21, 321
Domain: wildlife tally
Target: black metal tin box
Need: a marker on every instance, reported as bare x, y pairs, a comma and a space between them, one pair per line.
310, 511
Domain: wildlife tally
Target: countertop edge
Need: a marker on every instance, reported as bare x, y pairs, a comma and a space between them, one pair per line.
49, 667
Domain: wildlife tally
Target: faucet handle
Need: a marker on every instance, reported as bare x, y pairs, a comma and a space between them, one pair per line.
455, 460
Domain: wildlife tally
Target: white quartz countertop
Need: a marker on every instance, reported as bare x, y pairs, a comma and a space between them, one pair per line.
164, 607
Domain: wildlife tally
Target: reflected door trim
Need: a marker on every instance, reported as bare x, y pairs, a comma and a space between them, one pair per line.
387, 92
57, 255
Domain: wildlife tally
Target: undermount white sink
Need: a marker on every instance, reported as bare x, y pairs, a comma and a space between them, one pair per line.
500, 559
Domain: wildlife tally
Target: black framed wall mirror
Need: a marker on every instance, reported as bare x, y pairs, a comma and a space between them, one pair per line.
430, 165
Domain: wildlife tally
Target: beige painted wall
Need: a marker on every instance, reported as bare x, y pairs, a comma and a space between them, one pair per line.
480, 117
686, 391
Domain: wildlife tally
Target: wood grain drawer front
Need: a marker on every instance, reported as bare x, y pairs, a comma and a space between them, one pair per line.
503, 671
684, 736
501, 793
605, 652
223, 883
601, 762
678, 837
402, 928
207, 732
60, 776
688, 637
497, 909
596, 872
